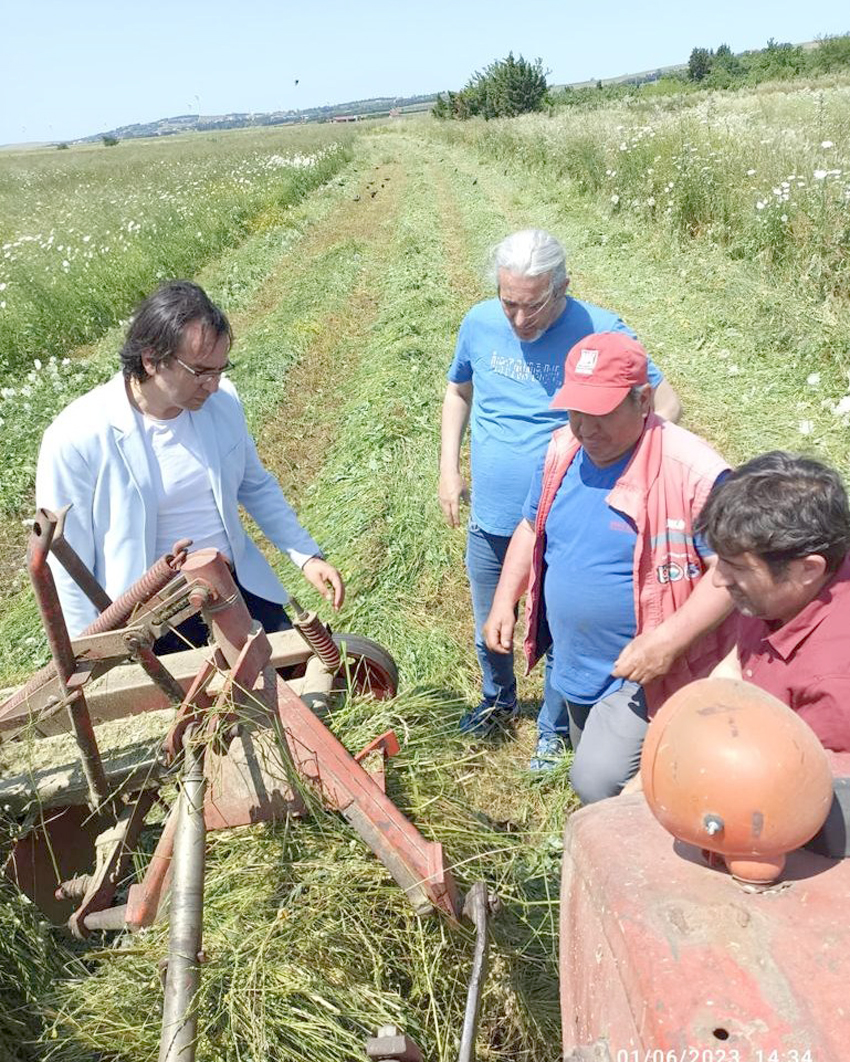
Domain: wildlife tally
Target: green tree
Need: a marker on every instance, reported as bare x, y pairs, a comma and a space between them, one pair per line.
513, 86
724, 59
699, 64
778, 61
832, 53
441, 107
504, 89
109, 141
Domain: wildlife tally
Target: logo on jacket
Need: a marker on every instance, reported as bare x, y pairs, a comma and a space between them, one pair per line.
673, 572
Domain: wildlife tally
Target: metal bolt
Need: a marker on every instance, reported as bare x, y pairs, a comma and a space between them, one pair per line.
713, 824
199, 597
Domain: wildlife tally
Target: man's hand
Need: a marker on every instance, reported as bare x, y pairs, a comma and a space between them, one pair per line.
451, 492
499, 629
646, 657
326, 580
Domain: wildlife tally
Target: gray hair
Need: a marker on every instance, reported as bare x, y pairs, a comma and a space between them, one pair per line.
530, 253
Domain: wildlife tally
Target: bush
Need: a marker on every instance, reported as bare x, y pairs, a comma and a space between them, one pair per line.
504, 89
109, 141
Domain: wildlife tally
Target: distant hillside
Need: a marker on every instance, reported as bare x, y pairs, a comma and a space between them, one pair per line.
380, 106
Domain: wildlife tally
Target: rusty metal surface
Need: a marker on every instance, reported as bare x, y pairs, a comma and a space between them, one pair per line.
71, 562
250, 783
64, 661
213, 591
114, 848
477, 907
183, 975
126, 690
155, 580
416, 864
144, 898
660, 951
60, 846
373, 757
316, 635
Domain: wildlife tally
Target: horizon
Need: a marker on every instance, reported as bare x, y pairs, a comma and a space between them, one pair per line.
67, 66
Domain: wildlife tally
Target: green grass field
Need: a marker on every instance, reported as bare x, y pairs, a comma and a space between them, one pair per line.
345, 305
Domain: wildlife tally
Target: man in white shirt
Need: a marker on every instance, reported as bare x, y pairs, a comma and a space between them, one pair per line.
162, 452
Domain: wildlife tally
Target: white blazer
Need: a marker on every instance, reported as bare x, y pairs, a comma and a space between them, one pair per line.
93, 456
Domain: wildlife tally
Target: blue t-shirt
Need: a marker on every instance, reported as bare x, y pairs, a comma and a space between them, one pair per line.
588, 585
513, 384
588, 590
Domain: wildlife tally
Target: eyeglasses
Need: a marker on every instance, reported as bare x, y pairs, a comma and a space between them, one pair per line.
202, 374
529, 309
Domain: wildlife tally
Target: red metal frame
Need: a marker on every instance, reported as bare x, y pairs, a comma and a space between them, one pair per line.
253, 709
663, 955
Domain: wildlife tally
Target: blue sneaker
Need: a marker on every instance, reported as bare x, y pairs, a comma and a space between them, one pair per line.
487, 719
550, 750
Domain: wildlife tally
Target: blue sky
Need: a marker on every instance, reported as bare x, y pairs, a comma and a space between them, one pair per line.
70, 68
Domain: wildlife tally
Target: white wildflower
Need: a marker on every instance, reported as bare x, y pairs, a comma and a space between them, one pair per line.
819, 175
813, 379
826, 144
806, 427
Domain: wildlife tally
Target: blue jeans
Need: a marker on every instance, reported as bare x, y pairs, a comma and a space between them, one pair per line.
485, 555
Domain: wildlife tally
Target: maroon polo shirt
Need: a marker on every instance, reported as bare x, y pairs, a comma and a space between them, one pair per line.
806, 662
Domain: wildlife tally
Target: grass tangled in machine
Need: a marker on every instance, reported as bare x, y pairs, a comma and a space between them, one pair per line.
30, 960
311, 946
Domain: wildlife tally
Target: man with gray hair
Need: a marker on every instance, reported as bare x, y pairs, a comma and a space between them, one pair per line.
508, 365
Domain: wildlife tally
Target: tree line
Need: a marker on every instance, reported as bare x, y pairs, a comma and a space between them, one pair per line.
513, 86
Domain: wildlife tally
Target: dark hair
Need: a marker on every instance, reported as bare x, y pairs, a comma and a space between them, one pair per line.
157, 327
779, 506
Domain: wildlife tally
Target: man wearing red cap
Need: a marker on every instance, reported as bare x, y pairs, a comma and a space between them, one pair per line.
613, 569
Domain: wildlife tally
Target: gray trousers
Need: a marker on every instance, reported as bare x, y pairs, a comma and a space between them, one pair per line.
607, 738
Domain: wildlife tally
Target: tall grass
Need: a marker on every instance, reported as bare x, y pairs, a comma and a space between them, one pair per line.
765, 175
86, 233
30, 962
311, 946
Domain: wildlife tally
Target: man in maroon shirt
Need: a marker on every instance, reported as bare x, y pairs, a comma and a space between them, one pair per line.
780, 526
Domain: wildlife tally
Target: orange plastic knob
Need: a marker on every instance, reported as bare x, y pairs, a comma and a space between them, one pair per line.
730, 768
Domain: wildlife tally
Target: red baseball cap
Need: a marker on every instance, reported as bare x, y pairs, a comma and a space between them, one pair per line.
600, 371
